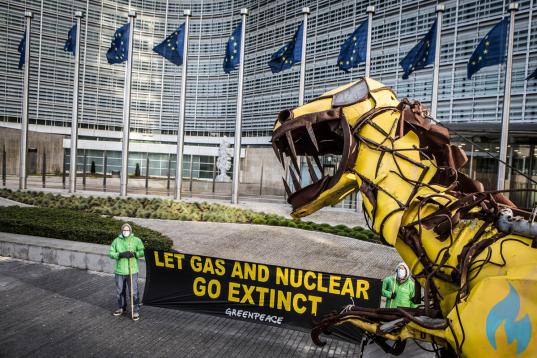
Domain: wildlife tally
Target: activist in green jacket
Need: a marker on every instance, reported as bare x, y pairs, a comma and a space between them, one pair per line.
126, 249
126, 244
399, 289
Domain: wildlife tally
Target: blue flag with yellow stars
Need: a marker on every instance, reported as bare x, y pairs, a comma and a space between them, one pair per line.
233, 50
119, 48
491, 50
533, 75
22, 51
70, 43
172, 47
286, 57
421, 55
353, 50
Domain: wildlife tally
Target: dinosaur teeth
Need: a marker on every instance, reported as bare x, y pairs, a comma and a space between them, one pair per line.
279, 154
318, 162
291, 144
295, 163
313, 139
313, 175
296, 181
276, 151
286, 186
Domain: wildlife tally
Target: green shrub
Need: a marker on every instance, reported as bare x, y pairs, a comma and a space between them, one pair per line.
259, 221
74, 226
361, 237
177, 210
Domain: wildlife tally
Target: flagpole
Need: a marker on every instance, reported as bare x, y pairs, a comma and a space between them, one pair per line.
74, 121
513, 7
127, 110
306, 12
238, 119
436, 69
24, 118
370, 12
181, 125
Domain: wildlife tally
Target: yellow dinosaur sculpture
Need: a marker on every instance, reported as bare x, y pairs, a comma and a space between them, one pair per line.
479, 281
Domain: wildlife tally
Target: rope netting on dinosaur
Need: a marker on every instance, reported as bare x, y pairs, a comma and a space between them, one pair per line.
456, 238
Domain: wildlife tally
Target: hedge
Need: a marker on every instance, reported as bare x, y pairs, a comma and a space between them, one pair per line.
177, 210
73, 225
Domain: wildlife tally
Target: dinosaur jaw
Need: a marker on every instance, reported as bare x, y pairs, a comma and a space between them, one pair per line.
313, 136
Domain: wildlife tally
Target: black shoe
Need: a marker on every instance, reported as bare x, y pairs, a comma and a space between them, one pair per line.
118, 312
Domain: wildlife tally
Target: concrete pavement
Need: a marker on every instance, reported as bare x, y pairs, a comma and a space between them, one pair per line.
276, 245
52, 311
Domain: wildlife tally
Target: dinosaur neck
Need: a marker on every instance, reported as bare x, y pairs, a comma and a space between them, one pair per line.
388, 167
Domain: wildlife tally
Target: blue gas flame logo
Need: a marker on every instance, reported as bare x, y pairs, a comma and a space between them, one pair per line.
507, 310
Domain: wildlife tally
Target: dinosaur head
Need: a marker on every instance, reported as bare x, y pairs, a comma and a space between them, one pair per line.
325, 126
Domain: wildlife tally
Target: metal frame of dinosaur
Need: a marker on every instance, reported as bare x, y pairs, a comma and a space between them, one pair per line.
480, 291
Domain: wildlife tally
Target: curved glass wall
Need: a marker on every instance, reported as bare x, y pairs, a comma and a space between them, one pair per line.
210, 105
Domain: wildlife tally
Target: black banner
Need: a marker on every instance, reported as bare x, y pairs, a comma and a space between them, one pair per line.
254, 292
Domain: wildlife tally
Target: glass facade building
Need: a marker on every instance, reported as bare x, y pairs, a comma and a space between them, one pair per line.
211, 94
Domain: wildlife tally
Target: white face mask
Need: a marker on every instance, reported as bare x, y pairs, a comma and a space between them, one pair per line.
401, 273
126, 233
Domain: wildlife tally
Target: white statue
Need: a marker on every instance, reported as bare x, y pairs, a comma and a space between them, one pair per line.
223, 163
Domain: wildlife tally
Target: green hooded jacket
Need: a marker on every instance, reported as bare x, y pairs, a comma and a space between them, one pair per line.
121, 244
404, 292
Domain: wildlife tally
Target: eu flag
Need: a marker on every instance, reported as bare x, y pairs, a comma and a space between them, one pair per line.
22, 51
119, 48
491, 50
70, 43
533, 75
233, 50
421, 55
172, 47
285, 57
353, 50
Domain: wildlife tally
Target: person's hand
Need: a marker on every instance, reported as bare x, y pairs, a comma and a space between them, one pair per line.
393, 295
126, 254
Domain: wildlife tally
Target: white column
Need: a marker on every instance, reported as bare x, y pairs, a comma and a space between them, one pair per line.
127, 110
436, 69
370, 12
74, 120
181, 125
238, 119
471, 169
509, 172
528, 44
24, 118
513, 7
306, 12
